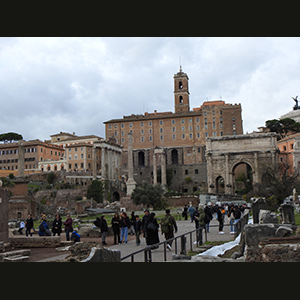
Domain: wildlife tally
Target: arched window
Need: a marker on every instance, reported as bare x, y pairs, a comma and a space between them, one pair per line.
180, 99
180, 85
174, 155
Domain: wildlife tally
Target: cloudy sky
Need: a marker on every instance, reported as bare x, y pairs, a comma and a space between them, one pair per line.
50, 84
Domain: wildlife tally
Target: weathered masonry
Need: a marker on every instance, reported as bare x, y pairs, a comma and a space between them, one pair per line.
225, 154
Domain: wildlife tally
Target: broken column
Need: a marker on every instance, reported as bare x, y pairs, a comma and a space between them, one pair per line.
4, 213
131, 184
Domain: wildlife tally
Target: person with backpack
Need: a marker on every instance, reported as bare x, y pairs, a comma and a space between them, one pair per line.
168, 225
199, 217
75, 236
104, 229
44, 228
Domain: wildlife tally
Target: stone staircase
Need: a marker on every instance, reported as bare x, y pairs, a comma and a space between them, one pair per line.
15, 256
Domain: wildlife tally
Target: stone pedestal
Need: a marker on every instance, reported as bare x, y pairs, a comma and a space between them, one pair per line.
288, 216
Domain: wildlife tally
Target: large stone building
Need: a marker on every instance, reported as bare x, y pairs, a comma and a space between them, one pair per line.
180, 137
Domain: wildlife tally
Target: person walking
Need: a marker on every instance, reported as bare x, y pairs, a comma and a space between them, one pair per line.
29, 225
125, 224
152, 229
220, 220
208, 216
185, 212
137, 225
191, 212
168, 225
199, 217
56, 225
115, 224
104, 230
145, 223
68, 226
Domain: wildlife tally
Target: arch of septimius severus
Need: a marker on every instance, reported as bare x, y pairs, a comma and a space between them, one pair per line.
224, 154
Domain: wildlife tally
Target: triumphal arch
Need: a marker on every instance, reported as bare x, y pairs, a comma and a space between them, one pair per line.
225, 154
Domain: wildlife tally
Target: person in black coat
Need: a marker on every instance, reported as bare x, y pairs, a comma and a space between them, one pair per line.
137, 225
56, 225
115, 224
104, 229
29, 225
152, 230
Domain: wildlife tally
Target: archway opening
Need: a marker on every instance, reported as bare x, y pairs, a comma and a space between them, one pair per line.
243, 178
220, 185
141, 159
174, 155
116, 196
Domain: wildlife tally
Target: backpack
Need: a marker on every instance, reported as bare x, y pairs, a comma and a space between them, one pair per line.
42, 228
166, 225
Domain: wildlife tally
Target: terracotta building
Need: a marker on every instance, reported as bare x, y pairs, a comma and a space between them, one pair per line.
35, 151
181, 135
289, 156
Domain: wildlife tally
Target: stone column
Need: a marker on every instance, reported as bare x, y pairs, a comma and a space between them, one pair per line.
131, 184
21, 158
4, 215
94, 163
154, 168
288, 216
163, 170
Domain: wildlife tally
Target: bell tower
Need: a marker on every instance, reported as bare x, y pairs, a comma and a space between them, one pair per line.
181, 92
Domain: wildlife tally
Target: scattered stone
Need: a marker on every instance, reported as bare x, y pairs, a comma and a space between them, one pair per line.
267, 217
180, 257
283, 231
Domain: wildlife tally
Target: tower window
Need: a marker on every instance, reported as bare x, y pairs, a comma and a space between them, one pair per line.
180, 85
180, 99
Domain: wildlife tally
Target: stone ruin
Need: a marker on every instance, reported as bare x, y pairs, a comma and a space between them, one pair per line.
268, 240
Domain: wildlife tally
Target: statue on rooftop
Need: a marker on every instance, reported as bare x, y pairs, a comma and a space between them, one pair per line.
296, 105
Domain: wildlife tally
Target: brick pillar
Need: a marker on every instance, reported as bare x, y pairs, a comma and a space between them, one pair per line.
4, 212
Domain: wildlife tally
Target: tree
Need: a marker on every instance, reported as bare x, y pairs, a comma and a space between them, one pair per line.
283, 126
149, 195
51, 177
10, 137
95, 191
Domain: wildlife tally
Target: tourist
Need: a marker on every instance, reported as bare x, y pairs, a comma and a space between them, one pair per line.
191, 212
68, 226
104, 230
132, 219
220, 219
137, 224
115, 224
75, 236
168, 225
208, 216
237, 216
152, 231
185, 212
22, 226
231, 218
199, 217
125, 224
56, 225
145, 223
44, 228
29, 225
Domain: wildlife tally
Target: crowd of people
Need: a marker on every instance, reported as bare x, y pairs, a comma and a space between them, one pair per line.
148, 226
224, 213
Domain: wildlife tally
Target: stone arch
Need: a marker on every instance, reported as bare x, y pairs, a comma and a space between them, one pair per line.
242, 176
174, 156
220, 185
